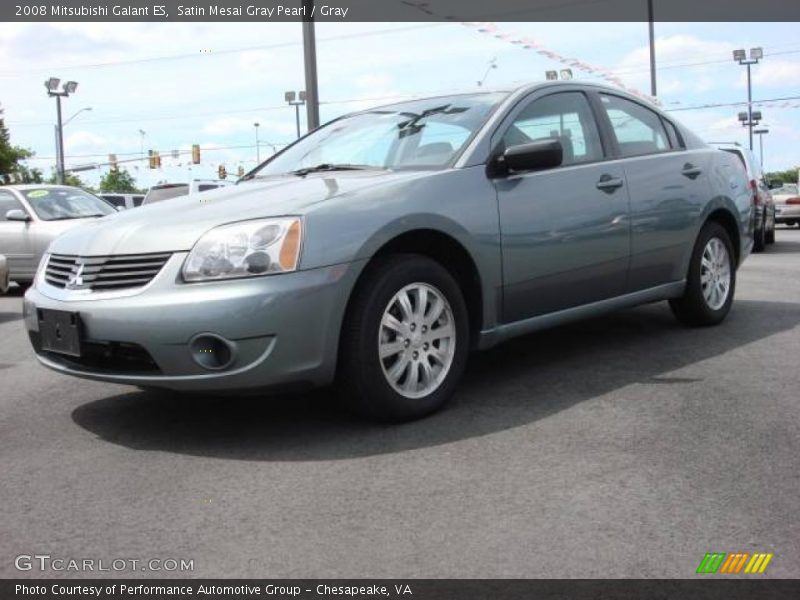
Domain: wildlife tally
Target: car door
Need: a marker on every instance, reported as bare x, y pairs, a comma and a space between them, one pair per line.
667, 185
16, 239
565, 232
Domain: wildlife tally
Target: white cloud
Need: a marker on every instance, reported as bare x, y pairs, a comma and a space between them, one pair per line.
676, 50
774, 73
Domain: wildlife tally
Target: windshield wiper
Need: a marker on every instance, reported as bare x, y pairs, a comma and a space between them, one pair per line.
329, 167
67, 218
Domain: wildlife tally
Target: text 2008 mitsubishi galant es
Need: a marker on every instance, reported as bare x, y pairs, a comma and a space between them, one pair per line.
379, 249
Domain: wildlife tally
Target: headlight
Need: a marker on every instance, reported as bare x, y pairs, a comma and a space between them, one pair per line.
246, 249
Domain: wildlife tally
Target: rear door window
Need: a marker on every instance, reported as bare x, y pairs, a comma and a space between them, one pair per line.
638, 130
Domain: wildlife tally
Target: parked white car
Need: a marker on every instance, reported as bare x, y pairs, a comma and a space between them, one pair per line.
165, 191
787, 204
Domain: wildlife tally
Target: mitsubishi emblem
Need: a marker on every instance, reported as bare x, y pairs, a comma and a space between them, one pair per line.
76, 281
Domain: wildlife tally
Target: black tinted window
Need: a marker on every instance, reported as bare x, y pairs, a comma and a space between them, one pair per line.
7, 203
115, 200
204, 187
137, 200
638, 130
566, 117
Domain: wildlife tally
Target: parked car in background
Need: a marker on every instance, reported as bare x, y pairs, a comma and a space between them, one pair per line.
165, 191
787, 204
380, 248
763, 203
122, 200
31, 216
4, 279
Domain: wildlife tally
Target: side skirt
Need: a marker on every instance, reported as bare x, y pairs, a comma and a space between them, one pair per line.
492, 337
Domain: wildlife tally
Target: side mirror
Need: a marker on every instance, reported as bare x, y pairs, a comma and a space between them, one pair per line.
15, 214
534, 156
119, 208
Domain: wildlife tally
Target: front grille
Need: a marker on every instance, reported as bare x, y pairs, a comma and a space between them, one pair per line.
114, 358
103, 273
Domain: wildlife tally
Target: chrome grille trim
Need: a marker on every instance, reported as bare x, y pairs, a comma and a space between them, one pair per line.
103, 273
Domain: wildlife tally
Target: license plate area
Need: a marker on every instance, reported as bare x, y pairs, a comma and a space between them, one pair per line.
60, 331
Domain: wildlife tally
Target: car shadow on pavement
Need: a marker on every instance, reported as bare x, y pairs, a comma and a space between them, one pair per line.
512, 385
784, 246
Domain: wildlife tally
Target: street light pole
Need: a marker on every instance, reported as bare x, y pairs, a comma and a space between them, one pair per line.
258, 146
68, 88
756, 54
60, 154
760, 133
296, 99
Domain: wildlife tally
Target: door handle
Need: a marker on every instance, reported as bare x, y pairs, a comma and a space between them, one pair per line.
691, 171
608, 183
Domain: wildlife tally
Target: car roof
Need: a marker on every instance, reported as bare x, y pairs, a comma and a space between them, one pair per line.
519, 89
21, 187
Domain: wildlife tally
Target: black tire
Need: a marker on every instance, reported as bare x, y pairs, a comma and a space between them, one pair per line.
692, 308
760, 236
362, 385
771, 235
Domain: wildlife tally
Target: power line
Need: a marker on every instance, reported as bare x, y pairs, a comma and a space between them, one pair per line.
150, 59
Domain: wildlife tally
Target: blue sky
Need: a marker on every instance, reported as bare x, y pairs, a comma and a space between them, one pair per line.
207, 83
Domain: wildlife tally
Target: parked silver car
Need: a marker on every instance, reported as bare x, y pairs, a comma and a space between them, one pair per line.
31, 216
380, 248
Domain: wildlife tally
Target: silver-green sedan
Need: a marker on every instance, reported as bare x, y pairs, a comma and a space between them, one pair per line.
379, 249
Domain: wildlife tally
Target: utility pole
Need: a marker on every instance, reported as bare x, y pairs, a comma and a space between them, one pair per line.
651, 26
310, 62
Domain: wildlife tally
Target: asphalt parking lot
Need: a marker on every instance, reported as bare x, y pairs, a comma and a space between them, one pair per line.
624, 446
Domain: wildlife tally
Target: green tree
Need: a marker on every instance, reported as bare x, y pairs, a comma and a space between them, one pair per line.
69, 179
10, 157
788, 176
118, 180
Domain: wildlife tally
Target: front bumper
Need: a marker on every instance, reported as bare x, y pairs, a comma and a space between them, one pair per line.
285, 329
787, 213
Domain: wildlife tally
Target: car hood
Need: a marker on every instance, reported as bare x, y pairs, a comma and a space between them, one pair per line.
175, 225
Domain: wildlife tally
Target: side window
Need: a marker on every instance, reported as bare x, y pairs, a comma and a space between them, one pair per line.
137, 200
638, 130
7, 203
565, 116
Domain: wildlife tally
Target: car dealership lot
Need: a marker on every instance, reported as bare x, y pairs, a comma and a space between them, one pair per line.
624, 446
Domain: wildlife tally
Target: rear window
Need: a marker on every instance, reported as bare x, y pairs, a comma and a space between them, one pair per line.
158, 194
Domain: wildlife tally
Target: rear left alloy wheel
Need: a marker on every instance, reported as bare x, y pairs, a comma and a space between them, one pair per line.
711, 281
405, 340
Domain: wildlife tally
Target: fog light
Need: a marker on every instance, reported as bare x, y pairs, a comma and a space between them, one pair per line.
212, 352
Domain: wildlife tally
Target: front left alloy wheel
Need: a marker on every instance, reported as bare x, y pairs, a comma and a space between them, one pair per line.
405, 340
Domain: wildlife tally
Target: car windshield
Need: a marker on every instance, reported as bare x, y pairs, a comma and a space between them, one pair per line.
57, 204
157, 194
420, 134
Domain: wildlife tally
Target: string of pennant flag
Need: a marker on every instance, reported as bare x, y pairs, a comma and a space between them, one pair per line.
529, 43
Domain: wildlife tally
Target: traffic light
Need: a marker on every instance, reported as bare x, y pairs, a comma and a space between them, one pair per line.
222, 172
151, 155
112, 160
195, 154
240, 171
158, 160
